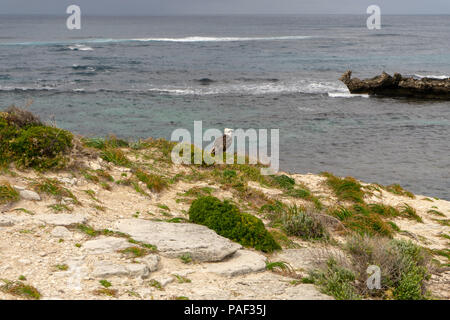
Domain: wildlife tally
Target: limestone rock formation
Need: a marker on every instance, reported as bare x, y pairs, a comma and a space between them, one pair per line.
399, 86
176, 239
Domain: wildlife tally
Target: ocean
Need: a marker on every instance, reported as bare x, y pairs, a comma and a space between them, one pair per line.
140, 77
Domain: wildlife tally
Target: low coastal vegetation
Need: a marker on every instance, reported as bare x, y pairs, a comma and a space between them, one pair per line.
20, 289
345, 189
226, 219
266, 213
404, 270
7, 193
27, 142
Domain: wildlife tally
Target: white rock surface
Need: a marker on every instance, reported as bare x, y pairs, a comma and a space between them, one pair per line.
137, 270
106, 269
94, 165
6, 221
242, 262
61, 232
176, 239
61, 219
69, 181
29, 195
151, 261
164, 280
105, 245
304, 292
306, 258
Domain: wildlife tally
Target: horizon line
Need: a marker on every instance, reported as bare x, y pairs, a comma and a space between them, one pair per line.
218, 14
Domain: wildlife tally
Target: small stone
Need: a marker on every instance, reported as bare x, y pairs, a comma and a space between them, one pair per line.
242, 262
6, 221
61, 232
24, 261
151, 261
68, 181
183, 273
29, 195
107, 269
19, 188
94, 165
164, 280
137, 270
105, 245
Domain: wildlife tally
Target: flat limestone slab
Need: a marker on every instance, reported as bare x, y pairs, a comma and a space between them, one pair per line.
105, 245
106, 269
61, 219
176, 239
305, 259
242, 262
304, 292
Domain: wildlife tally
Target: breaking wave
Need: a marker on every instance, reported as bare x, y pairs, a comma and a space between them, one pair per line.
331, 89
221, 39
80, 45
432, 76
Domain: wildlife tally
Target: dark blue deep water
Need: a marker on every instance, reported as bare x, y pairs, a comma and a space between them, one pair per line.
138, 77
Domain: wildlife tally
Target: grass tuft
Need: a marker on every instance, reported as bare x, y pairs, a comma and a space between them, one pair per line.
410, 212
7, 193
20, 289
398, 190
345, 189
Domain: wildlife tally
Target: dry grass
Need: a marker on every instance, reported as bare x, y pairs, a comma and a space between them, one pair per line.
20, 289
398, 190
345, 189
7, 193
154, 182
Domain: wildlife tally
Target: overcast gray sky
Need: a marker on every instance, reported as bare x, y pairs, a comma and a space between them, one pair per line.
168, 7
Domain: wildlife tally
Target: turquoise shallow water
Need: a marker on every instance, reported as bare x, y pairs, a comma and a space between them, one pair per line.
139, 77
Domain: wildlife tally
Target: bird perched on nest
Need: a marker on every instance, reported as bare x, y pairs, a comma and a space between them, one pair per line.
222, 144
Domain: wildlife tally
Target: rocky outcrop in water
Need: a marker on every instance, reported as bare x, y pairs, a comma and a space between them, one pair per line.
399, 86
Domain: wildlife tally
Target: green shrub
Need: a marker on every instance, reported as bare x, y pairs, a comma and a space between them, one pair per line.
25, 140
403, 266
229, 174
226, 219
302, 223
413, 262
336, 280
7, 134
42, 147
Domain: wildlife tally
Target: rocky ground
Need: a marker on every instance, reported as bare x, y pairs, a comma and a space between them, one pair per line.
42, 244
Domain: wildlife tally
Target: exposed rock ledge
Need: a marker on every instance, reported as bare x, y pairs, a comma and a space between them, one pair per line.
399, 86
